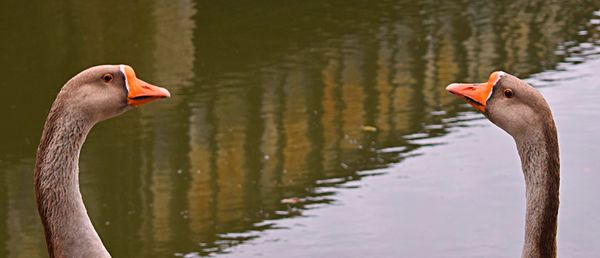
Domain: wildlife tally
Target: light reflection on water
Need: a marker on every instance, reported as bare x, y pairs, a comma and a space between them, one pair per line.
270, 102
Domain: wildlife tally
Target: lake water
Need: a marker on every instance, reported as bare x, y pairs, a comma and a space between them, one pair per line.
304, 129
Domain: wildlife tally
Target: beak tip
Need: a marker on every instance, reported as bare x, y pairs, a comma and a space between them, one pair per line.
163, 93
452, 87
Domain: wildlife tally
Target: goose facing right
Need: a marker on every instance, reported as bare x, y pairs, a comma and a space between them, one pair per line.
522, 112
96, 94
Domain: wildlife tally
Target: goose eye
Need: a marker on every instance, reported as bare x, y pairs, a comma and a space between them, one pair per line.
107, 77
508, 93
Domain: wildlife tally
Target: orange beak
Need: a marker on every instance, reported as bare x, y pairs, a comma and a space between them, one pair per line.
140, 92
476, 94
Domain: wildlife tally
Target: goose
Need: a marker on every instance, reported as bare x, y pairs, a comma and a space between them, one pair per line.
94, 95
523, 113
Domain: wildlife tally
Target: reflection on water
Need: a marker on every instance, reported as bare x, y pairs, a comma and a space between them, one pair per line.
271, 101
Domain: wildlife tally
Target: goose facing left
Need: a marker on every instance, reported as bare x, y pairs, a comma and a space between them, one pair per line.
94, 95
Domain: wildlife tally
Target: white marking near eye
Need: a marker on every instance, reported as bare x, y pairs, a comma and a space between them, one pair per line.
122, 68
500, 74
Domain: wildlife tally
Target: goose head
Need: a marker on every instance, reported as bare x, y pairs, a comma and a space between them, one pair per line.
506, 101
105, 91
